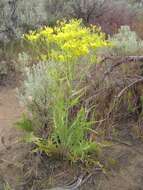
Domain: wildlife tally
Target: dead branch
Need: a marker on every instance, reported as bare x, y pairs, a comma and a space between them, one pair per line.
119, 61
129, 86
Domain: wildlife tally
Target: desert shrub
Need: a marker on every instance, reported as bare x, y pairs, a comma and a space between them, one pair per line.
126, 42
56, 10
9, 63
17, 17
54, 89
100, 12
36, 92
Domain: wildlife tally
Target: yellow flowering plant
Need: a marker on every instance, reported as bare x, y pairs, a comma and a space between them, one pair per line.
67, 41
57, 85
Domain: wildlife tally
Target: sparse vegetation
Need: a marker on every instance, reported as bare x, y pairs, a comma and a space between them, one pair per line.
79, 70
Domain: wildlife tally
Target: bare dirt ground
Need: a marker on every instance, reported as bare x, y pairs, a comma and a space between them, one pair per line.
125, 160
11, 151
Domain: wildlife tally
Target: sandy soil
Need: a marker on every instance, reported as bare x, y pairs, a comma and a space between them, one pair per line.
10, 149
10, 111
124, 163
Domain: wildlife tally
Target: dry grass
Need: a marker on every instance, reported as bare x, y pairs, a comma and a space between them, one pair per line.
114, 92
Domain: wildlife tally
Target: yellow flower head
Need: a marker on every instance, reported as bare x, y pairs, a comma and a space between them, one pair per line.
70, 40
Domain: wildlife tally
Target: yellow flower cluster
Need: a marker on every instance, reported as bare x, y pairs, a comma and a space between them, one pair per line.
67, 41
